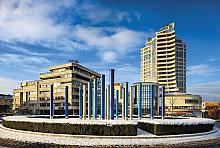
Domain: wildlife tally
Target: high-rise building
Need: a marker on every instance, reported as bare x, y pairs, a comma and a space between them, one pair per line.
163, 60
34, 96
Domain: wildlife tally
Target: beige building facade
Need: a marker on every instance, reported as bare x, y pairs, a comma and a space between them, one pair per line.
34, 96
163, 60
182, 104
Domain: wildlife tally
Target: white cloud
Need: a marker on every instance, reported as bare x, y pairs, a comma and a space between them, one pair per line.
110, 41
212, 59
7, 85
36, 22
208, 90
25, 50
109, 56
30, 21
98, 14
123, 72
203, 70
22, 59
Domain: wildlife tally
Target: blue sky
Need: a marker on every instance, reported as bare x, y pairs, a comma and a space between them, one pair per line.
106, 34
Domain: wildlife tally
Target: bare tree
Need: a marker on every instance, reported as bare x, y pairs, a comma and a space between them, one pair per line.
172, 101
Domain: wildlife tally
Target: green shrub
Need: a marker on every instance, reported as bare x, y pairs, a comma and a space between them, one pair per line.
158, 129
74, 129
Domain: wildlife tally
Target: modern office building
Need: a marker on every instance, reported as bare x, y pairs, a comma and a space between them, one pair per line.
34, 96
5, 104
146, 94
163, 60
211, 110
182, 104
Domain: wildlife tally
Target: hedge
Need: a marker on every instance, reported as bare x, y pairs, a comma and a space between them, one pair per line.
159, 129
74, 129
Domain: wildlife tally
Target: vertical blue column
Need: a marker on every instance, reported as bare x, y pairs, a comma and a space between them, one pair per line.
80, 102
117, 94
111, 71
126, 100
163, 101
51, 102
89, 99
103, 96
152, 101
66, 102
140, 100
108, 102
95, 99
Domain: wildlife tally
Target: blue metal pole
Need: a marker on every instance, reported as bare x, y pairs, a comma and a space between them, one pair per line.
111, 71
66, 102
103, 96
140, 101
95, 99
80, 102
51, 102
152, 102
126, 100
89, 99
117, 93
163, 101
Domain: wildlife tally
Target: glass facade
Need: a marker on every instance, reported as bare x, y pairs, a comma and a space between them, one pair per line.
146, 96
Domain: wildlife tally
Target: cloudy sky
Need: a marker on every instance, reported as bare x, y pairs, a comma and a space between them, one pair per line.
106, 34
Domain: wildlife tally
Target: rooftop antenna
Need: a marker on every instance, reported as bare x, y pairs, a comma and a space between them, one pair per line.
74, 61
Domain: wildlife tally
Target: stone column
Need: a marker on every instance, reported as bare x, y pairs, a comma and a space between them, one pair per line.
152, 102
89, 99
51, 102
140, 100
84, 101
66, 102
95, 99
103, 96
80, 102
131, 103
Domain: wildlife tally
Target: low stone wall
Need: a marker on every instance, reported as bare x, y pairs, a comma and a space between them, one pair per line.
160, 129
74, 129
